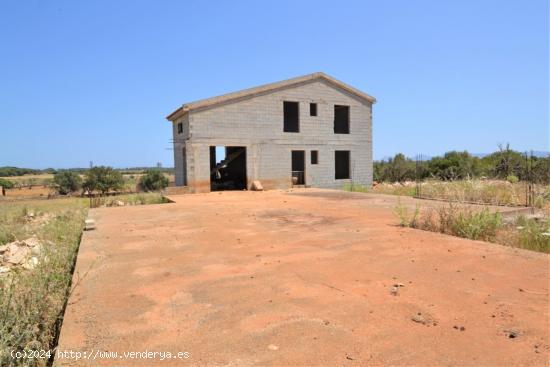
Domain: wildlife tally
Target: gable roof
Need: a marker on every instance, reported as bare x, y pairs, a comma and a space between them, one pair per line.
267, 88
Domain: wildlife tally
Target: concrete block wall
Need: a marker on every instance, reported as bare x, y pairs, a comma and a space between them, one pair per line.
257, 124
180, 141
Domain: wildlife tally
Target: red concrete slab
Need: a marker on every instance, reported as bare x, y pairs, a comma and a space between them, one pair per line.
299, 278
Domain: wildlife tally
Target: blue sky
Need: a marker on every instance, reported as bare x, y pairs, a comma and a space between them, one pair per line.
88, 81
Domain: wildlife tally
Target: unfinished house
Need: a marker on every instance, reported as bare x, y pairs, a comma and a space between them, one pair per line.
308, 131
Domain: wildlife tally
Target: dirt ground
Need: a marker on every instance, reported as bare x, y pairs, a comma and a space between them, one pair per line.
309, 277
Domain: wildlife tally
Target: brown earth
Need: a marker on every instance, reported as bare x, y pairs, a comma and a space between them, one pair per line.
310, 277
29, 192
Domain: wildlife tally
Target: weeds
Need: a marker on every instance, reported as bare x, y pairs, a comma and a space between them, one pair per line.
529, 233
352, 187
407, 217
32, 301
478, 224
492, 192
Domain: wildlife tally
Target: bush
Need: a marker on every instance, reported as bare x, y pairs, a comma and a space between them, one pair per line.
512, 179
7, 184
153, 180
67, 182
102, 179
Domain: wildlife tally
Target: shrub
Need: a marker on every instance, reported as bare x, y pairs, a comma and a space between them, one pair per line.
7, 184
67, 182
153, 180
102, 179
512, 179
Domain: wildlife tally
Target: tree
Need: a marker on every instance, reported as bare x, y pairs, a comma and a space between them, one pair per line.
102, 179
453, 166
7, 184
67, 182
397, 169
506, 162
153, 180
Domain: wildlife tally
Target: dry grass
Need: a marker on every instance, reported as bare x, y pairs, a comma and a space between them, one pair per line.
32, 301
492, 192
479, 224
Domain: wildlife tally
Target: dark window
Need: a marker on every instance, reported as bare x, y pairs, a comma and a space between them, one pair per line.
180, 128
314, 157
291, 117
341, 164
313, 109
341, 119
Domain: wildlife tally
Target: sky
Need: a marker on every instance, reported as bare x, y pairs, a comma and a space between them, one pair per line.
85, 81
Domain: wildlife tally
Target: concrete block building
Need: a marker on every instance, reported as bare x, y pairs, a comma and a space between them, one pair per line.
311, 130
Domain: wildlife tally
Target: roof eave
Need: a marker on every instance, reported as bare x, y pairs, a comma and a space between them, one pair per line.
177, 113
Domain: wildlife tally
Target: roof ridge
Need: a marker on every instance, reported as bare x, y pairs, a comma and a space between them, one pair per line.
232, 96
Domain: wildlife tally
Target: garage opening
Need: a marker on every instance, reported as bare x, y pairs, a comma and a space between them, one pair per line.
227, 168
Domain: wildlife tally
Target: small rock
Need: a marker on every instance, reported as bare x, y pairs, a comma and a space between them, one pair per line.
89, 224
31, 263
36, 250
3, 249
394, 291
512, 333
4, 269
118, 203
257, 186
31, 242
419, 319
272, 347
17, 256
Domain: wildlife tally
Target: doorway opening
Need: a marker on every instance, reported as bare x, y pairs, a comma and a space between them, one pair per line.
227, 168
298, 167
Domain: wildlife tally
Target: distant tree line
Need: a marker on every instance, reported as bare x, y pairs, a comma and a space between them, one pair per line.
98, 179
8, 171
16, 171
506, 164
103, 179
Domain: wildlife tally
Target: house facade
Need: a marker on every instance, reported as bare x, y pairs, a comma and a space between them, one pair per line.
310, 131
